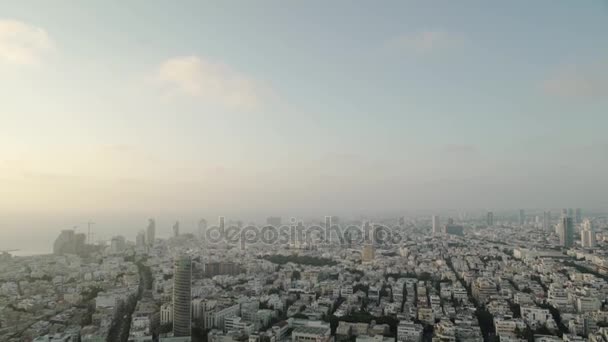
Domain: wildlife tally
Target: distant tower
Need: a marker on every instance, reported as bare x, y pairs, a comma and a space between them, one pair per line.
202, 229
490, 219
578, 216
176, 229
564, 212
546, 220
566, 232
402, 221
588, 235
151, 232
140, 241
522, 217
436, 224
182, 297
570, 212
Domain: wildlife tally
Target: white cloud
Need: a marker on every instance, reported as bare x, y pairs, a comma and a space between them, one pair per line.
425, 41
21, 43
578, 82
209, 81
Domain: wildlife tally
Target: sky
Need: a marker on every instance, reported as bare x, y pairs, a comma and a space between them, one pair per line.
117, 111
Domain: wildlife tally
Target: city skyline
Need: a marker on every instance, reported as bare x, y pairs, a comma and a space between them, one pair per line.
304, 171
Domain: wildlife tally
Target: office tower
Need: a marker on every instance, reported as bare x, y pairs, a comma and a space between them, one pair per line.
273, 221
566, 232
69, 242
564, 212
402, 221
151, 232
140, 240
490, 219
450, 221
436, 224
588, 235
570, 212
176, 229
202, 229
578, 215
546, 220
522, 217
118, 244
182, 297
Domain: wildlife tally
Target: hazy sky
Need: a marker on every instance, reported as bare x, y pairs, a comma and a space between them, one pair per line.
144, 108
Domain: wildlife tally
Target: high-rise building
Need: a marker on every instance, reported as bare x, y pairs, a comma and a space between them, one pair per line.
273, 221
151, 232
182, 296
118, 244
140, 240
69, 242
490, 219
436, 224
566, 232
588, 235
578, 215
570, 212
546, 220
402, 221
564, 212
522, 217
176, 229
202, 229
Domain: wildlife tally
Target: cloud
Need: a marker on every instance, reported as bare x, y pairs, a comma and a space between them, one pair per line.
211, 82
425, 41
22, 44
578, 82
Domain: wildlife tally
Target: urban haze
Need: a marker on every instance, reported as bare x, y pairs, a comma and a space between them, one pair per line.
312, 171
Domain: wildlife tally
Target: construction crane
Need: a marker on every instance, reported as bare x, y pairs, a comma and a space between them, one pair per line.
89, 231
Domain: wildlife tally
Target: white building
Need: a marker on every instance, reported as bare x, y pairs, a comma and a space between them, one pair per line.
535, 317
166, 314
311, 334
409, 332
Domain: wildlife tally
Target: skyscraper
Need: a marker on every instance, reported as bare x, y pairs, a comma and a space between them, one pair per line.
182, 296
564, 212
522, 217
151, 232
202, 229
588, 235
546, 220
566, 232
140, 240
578, 215
436, 225
490, 219
69, 242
